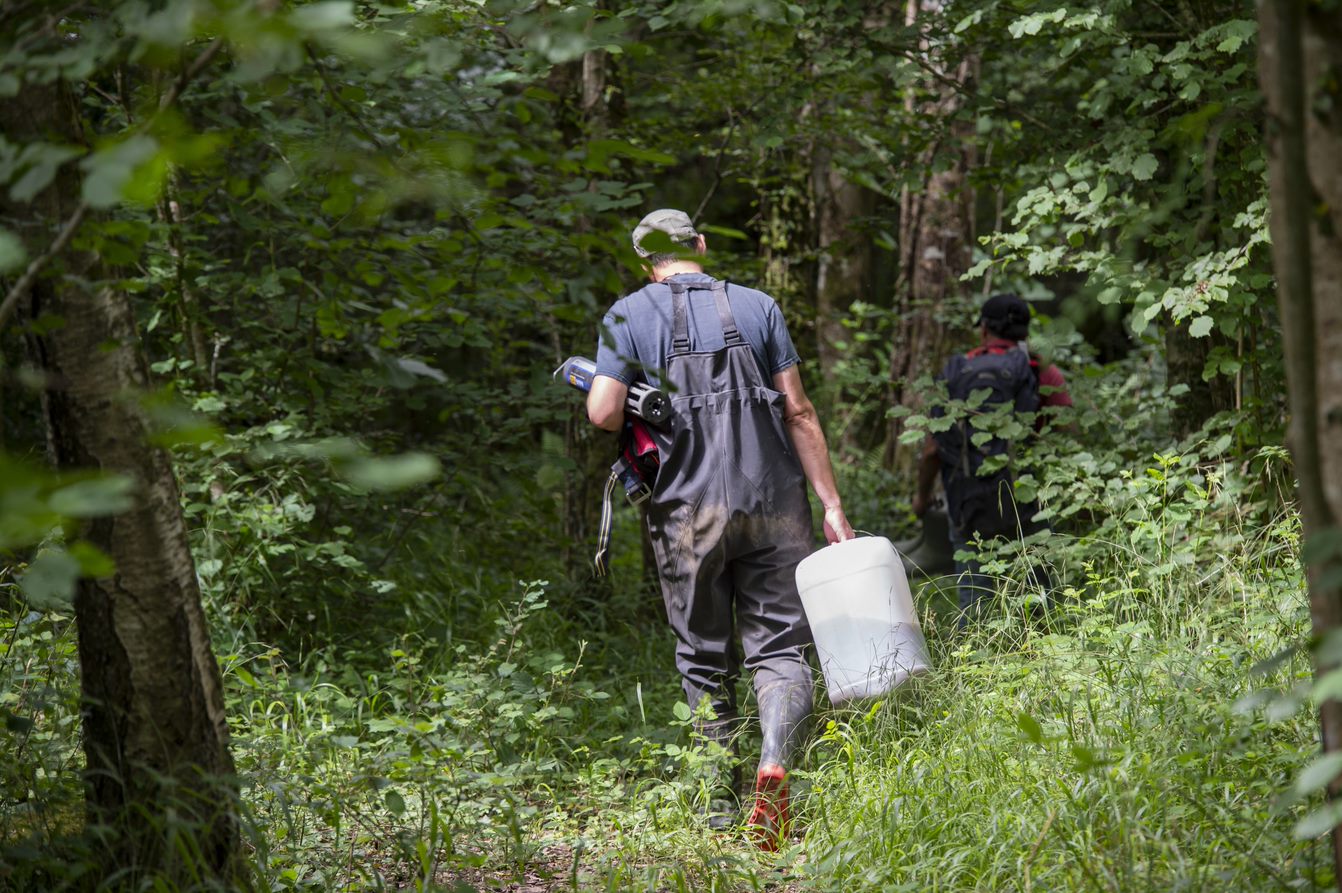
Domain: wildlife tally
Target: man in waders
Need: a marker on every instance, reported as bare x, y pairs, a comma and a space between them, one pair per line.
728, 517
981, 504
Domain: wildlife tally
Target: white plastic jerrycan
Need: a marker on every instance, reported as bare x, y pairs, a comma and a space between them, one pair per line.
866, 632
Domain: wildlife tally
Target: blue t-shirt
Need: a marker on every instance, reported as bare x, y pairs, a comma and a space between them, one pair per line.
636, 332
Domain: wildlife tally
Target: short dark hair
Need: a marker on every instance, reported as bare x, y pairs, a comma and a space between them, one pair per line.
662, 258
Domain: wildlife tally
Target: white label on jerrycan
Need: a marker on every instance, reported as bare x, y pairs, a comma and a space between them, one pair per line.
867, 634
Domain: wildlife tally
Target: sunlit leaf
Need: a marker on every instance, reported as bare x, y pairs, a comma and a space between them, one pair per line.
107, 495
12, 253
49, 582
390, 472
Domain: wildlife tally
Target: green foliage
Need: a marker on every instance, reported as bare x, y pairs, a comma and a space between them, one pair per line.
1054, 737
360, 236
1154, 189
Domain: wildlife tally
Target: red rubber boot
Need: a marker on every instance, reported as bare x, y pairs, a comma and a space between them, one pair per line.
770, 819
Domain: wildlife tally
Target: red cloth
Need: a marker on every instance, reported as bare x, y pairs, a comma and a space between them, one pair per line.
1052, 386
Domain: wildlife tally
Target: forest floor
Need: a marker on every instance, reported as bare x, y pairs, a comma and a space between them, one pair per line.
1150, 732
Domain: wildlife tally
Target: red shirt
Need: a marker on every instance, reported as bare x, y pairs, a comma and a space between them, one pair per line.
1052, 386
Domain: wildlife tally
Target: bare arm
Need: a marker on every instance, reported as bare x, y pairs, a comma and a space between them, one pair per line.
808, 439
605, 402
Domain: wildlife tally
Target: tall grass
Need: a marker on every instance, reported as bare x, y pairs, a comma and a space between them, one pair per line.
529, 734
1109, 745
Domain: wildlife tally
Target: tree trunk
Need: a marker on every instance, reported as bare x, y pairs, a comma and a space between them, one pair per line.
591, 449
155, 734
843, 263
935, 239
188, 304
1299, 45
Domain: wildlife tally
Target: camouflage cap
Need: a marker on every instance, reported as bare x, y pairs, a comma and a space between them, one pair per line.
675, 224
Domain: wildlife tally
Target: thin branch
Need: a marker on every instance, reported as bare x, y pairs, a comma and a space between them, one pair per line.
48, 28
67, 232
717, 162
957, 87
30, 275
205, 58
339, 100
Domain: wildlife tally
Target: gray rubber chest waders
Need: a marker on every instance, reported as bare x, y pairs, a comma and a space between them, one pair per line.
729, 521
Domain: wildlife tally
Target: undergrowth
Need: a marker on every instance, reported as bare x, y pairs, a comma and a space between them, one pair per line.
1118, 741
1145, 732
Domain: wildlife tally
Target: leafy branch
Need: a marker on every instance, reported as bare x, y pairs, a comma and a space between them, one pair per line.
71, 226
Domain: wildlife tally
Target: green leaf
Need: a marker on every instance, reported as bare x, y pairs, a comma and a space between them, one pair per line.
1085, 757
1328, 687
1201, 327
1237, 32
1030, 726
419, 367
12, 252
93, 562
395, 802
175, 425
724, 231
323, 16
15, 723
111, 172
1319, 773
108, 495
682, 711
42, 161
390, 472
1145, 166
49, 583
1320, 821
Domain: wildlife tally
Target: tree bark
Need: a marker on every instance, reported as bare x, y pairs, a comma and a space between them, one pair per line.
935, 240
155, 734
1299, 45
843, 263
188, 305
591, 449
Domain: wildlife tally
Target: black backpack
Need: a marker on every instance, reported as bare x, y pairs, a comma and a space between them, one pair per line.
982, 500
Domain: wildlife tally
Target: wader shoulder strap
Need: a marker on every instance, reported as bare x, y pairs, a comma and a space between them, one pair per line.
680, 323
729, 330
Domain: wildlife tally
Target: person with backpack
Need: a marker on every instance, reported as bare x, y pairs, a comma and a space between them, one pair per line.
997, 382
728, 515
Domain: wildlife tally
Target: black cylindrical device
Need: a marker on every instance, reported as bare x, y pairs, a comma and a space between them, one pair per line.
644, 401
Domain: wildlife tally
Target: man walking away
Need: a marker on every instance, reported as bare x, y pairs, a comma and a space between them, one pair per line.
981, 502
728, 516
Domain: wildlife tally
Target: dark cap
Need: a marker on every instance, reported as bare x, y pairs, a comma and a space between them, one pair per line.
1006, 315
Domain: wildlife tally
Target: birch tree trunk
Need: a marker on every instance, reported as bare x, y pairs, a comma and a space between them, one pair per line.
155, 734
1300, 51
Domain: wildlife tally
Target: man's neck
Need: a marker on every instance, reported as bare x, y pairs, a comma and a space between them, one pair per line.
666, 271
